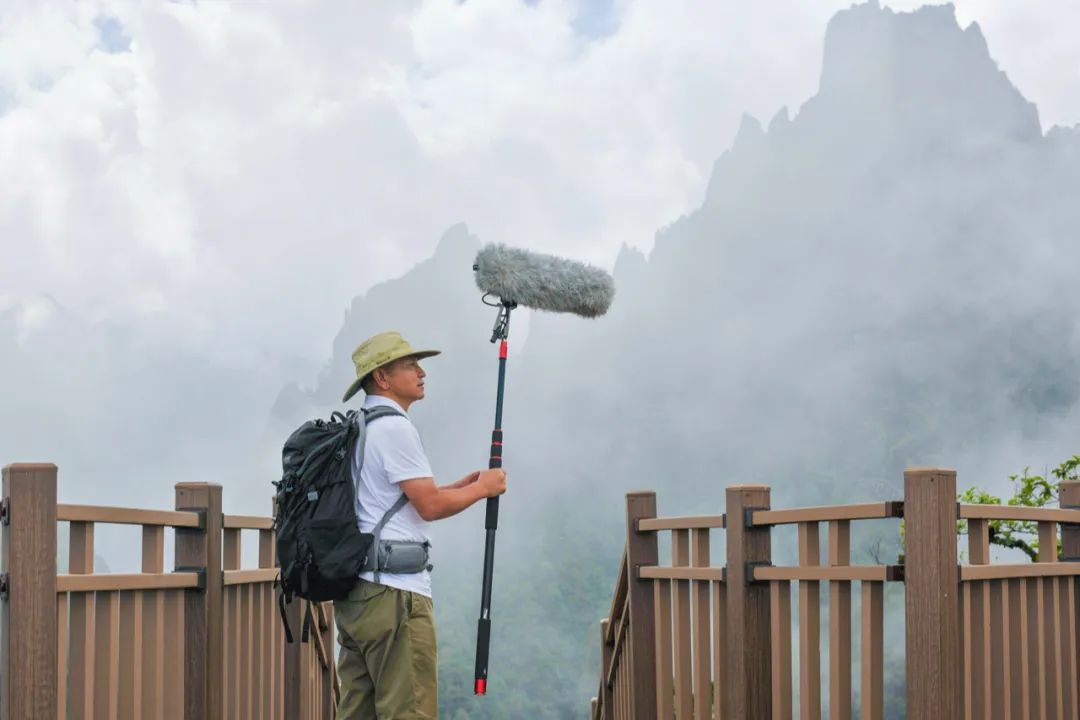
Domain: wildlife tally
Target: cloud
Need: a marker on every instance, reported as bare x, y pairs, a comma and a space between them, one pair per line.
238, 172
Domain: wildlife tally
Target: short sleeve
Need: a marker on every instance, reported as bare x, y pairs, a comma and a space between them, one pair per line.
403, 456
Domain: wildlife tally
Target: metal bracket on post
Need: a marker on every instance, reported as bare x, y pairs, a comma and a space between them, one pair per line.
748, 517
5, 511
4, 587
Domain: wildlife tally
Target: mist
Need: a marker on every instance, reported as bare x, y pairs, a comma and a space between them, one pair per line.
880, 276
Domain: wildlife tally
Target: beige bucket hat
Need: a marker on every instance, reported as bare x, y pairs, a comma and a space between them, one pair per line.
379, 350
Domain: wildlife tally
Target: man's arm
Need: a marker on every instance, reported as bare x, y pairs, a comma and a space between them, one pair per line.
467, 480
435, 503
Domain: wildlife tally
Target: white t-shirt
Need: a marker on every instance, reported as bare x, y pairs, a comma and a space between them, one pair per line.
392, 453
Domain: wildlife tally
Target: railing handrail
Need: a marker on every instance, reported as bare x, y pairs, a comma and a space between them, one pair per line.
248, 522
95, 582
827, 513
108, 514
948, 605
131, 644
684, 522
1018, 512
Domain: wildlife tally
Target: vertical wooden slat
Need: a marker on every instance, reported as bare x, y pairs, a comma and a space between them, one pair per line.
720, 648
61, 655
1058, 639
606, 694
1047, 641
131, 655
153, 625
279, 670
641, 551
1033, 651
749, 665
174, 635
622, 705
1048, 549
1073, 668
976, 624
997, 680
268, 558
1014, 641
267, 619
153, 672
624, 687
1044, 649
247, 652
272, 653
931, 590
204, 640
680, 557
872, 666
616, 693
1069, 497
81, 637
975, 655
306, 667
840, 624
232, 652
258, 687
699, 541
809, 626
230, 549
28, 679
662, 608
230, 560
293, 670
781, 649
106, 653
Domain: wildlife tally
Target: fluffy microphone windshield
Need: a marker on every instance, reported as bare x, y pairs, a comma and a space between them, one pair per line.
543, 282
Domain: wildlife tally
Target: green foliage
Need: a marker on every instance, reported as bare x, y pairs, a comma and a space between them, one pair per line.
1028, 491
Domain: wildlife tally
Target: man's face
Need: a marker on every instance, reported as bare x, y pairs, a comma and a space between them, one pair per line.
403, 379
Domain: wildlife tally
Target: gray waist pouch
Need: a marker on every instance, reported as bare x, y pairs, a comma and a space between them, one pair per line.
403, 556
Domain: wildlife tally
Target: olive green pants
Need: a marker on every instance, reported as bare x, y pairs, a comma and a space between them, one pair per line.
387, 667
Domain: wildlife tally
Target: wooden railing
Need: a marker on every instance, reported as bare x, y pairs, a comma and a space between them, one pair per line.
981, 640
202, 641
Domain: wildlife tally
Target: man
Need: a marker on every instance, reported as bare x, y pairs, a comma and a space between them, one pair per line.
388, 662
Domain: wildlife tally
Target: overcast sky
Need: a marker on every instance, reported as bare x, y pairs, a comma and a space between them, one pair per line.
227, 176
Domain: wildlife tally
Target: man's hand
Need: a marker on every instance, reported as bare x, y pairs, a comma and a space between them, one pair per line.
493, 482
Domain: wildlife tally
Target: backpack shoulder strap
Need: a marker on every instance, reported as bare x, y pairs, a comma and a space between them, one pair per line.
373, 562
380, 411
357, 448
371, 415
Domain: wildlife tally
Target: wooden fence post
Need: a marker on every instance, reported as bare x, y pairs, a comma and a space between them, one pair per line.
293, 696
932, 595
28, 608
749, 646
1069, 497
641, 550
199, 549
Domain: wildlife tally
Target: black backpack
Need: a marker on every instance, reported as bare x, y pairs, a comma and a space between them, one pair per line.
320, 549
